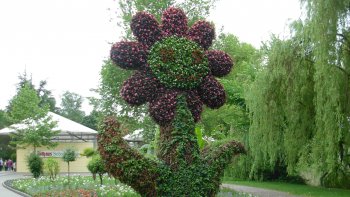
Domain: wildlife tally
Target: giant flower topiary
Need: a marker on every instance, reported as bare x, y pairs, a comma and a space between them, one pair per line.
175, 73
170, 60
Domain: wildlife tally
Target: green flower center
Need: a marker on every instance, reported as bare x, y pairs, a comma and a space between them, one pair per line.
178, 62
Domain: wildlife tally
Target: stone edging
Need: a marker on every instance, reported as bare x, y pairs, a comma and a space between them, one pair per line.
8, 183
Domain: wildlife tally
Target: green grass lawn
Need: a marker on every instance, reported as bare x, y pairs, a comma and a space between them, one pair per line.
302, 190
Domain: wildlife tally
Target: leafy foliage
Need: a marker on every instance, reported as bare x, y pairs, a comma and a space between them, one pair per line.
69, 155
111, 102
36, 132
183, 73
25, 104
45, 95
96, 166
36, 128
89, 152
332, 75
51, 167
92, 119
124, 162
71, 106
35, 164
232, 119
180, 166
300, 105
4, 119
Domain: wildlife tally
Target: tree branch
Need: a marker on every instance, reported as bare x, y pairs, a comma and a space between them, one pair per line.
124, 162
344, 71
345, 38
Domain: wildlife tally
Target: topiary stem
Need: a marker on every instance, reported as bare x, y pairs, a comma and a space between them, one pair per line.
181, 171
178, 142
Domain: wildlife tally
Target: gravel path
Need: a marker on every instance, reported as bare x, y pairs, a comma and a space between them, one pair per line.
258, 191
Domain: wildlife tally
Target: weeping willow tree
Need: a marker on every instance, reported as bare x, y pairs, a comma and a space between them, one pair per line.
300, 102
329, 31
281, 107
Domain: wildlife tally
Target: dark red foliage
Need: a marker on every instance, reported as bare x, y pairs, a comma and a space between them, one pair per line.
162, 109
139, 88
203, 33
212, 93
174, 22
143, 86
146, 28
194, 104
129, 55
220, 63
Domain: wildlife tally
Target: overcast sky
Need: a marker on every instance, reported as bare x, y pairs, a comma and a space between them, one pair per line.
66, 41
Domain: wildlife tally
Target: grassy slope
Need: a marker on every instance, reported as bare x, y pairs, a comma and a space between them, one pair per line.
303, 190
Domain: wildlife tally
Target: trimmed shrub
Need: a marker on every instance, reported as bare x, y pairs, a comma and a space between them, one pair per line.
35, 165
51, 168
97, 166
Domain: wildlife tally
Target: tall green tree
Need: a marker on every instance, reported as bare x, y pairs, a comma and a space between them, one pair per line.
35, 132
233, 118
281, 106
24, 104
34, 127
299, 109
71, 106
4, 119
92, 120
46, 97
25, 79
5, 151
329, 30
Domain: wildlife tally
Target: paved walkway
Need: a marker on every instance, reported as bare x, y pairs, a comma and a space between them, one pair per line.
8, 176
258, 191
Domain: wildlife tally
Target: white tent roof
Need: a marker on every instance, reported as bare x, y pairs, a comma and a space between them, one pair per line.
65, 125
134, 136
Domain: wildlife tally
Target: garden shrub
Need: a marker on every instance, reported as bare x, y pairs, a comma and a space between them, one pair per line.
338, 178
51, 168
89, 152
96, 166
35, 164
69, 156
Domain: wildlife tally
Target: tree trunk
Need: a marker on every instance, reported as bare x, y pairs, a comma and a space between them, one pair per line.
181, 170
101, 180
68, 175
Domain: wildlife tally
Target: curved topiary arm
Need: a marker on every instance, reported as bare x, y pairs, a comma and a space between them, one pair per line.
124, 162
217, 157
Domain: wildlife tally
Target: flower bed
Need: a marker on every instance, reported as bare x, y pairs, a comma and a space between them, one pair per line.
83, 186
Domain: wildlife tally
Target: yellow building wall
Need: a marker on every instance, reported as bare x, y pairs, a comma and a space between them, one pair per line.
79, 165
